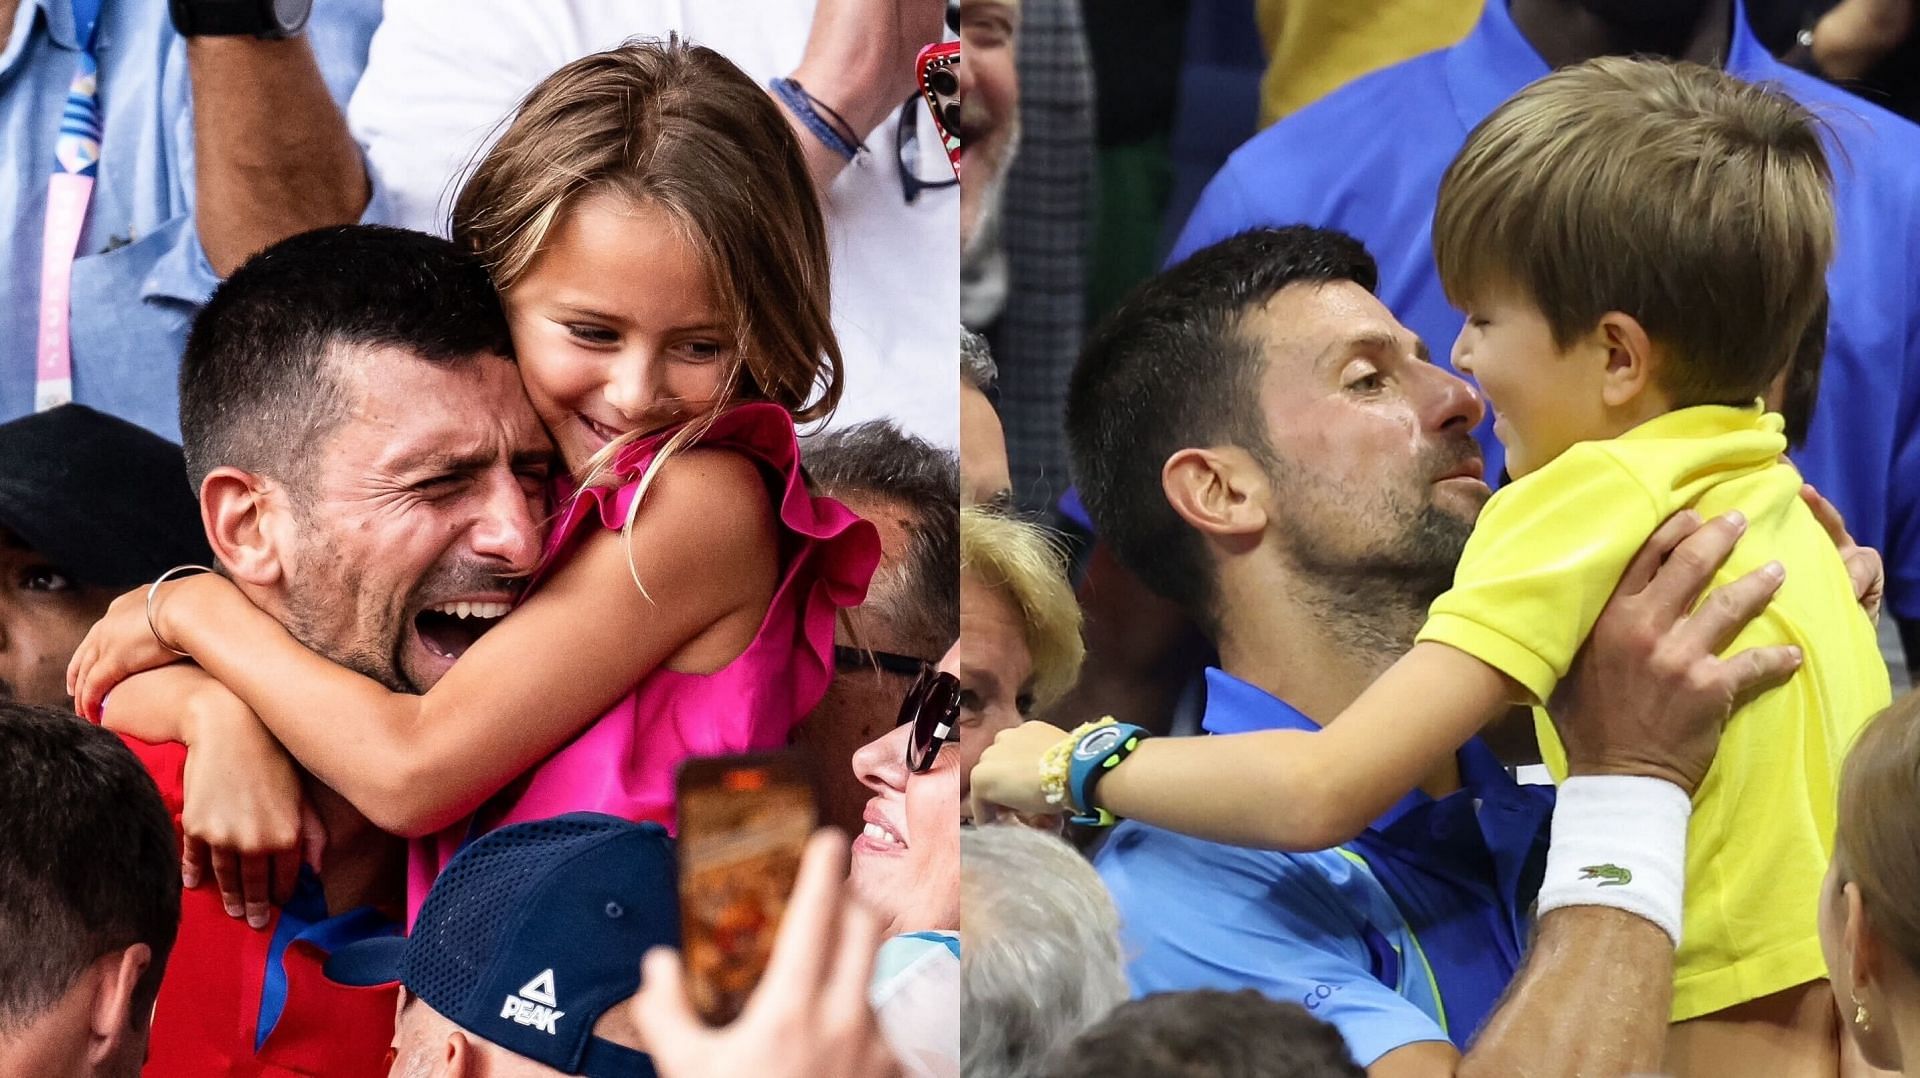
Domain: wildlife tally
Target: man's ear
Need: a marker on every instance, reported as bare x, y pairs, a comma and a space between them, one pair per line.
110, 1021
1218, 491
1629, 358
242, 514
458, 1057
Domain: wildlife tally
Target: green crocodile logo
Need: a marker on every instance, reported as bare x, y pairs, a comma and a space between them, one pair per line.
1611, 875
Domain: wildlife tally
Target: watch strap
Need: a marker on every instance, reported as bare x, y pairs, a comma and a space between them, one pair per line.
233, 18
1096, 752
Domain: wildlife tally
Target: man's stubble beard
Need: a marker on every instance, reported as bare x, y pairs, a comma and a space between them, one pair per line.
980, 216
306, 599
1373, 599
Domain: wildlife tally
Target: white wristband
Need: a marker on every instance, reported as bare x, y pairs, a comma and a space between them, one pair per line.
1619, 841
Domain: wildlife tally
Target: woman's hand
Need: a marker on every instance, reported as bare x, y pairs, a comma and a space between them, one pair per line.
244, 816
124, 643
1008, 774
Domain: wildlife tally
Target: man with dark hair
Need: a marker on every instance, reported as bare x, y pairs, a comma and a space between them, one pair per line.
89, 898
1207, 1033
370, 474
358, 381
1368, 159
1263, 444
90, 506
910, 490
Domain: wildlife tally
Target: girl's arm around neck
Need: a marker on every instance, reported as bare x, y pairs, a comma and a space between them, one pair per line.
705, 545
1300, 790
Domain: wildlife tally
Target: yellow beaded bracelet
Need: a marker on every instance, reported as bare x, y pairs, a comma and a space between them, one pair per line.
1057, 764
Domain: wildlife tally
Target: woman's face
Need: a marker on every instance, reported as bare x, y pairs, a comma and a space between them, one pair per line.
906, 863
996, 671
617, 327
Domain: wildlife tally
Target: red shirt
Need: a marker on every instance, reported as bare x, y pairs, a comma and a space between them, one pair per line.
225, 980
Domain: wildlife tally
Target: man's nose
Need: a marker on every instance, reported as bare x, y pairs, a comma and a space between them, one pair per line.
505, 529
1450, 400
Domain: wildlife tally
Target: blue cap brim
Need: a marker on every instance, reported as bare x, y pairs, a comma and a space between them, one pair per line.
368, 963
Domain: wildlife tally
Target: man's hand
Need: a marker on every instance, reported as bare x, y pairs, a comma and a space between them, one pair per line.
1647, 694
810, 1013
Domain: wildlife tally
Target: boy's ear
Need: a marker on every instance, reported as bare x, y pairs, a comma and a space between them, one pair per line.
1629, 357
1217, 491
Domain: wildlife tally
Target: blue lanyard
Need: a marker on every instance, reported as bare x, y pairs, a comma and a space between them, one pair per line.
77, 149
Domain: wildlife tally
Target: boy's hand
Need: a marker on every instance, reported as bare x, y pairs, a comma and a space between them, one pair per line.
1863, 563
1008, 774
1648, 694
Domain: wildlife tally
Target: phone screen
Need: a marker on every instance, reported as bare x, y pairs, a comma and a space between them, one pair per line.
744, 822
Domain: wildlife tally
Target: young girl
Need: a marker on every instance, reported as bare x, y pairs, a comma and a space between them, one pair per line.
650, 222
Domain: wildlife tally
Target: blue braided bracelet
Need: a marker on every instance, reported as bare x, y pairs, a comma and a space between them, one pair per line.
801, 104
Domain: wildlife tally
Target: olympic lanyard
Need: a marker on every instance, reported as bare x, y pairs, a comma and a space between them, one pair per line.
76, 159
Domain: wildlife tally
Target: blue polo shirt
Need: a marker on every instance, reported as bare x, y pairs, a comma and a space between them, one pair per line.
1367, 159
140, 274
1408, 933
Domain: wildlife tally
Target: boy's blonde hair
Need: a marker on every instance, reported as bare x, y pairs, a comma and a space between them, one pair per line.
682, 128
1024, 564
1696, 203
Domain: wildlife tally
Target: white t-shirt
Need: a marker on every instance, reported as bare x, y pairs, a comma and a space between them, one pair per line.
443, 76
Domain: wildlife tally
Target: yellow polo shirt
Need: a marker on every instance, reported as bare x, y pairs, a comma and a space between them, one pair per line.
1544, 558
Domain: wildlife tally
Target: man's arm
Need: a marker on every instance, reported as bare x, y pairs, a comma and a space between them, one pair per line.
1647, 696
859, 63
272, 155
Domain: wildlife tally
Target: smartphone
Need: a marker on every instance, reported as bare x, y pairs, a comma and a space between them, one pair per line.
744, 822
939, 68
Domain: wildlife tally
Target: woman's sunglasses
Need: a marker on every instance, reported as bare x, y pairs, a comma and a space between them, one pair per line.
932, 704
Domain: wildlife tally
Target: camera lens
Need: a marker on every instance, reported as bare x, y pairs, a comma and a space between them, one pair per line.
943, 82
951, 115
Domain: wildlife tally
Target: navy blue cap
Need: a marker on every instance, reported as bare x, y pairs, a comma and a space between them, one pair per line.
100, 498
532, 933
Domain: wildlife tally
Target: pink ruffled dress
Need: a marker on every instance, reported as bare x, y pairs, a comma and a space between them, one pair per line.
623, 764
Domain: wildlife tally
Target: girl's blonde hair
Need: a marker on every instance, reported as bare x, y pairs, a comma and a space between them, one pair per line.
679, 127
1876, 842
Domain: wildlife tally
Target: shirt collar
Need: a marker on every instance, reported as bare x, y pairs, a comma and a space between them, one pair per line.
1496, 60
59, 22
1236, 707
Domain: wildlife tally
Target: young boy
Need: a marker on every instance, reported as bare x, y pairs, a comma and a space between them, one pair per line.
1640, 248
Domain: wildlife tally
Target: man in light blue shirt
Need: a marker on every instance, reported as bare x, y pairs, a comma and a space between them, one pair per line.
1367, 160
274, 158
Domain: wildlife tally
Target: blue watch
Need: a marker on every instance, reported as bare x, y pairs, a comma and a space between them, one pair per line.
1099, 751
